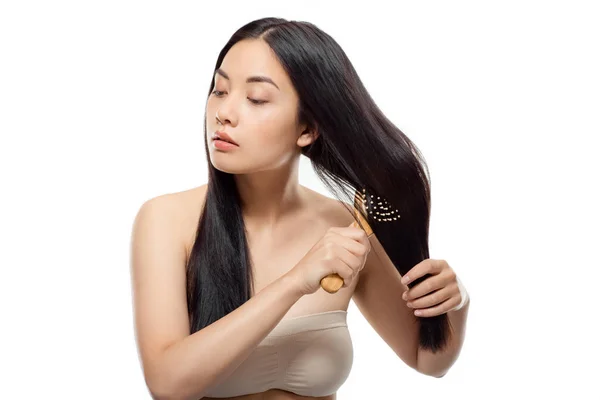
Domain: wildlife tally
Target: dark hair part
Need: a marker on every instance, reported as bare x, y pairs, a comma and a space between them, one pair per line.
358, 150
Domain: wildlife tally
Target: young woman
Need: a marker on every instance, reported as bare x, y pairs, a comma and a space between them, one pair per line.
227, 276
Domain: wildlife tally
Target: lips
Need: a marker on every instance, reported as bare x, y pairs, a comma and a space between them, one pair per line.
224, 137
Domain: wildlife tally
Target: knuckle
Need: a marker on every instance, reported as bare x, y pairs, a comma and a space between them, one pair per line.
454, 287
452, 273
441, 267
351, 272
435, 298
358, 265
344, 273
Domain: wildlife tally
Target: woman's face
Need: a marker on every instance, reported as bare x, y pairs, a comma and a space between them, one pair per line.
259, 116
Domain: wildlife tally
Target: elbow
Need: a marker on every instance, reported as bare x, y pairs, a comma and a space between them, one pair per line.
435, 366
159, 390
162, 387
433, 374
168, 389
432, 370
165, 381
164, 393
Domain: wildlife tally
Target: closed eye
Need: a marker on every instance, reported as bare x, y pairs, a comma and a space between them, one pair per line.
257, 102
253, 101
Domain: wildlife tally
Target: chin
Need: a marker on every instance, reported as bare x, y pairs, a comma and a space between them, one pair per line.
226, 166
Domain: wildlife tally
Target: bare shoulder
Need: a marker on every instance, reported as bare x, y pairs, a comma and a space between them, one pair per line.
188, 203
183, 200
331, 211
164, 221
184, 209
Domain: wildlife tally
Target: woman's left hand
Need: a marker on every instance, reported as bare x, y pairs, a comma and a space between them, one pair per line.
437, 294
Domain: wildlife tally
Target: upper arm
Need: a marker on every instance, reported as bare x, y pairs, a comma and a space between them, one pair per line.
158, 283
378, 296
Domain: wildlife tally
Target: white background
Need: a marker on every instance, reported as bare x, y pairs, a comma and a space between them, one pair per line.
101, 109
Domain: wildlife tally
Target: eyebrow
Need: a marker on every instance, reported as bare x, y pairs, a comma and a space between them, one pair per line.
250, 79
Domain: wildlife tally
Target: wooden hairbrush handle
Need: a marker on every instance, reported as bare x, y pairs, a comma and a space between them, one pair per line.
333, 282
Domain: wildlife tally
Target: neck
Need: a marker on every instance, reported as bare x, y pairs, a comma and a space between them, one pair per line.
269, 197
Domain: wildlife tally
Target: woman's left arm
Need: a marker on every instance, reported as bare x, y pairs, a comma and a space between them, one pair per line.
378, 296
442, 292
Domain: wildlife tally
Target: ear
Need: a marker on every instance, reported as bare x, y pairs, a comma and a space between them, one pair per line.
308, 136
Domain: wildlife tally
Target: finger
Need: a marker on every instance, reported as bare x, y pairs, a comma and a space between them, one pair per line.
352, 261
427, 266
439, 309
432, 299
353, 231
364, 239
357, 233
356, 247
345, 265
430, 284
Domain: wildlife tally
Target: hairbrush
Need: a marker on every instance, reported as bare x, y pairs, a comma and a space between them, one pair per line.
333, 282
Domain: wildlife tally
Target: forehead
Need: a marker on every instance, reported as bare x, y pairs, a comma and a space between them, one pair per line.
252, 57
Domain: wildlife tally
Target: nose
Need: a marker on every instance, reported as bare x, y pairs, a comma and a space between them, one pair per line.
224, 112
222, 121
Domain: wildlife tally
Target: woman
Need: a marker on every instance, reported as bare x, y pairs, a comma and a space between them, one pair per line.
227, 276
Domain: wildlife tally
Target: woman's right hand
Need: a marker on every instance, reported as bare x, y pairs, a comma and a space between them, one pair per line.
342, 251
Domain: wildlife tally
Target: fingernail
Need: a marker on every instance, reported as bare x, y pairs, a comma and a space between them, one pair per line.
404, 295
405, 279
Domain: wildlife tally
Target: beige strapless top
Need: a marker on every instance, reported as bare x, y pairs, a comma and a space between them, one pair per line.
309, 355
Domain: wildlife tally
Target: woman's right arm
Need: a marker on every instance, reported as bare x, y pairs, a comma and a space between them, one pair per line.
178, 365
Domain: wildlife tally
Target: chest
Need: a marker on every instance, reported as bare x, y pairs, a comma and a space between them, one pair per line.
276, 253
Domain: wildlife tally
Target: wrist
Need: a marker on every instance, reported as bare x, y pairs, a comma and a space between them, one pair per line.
291, 284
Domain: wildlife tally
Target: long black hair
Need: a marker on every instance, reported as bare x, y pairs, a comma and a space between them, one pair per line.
358, 152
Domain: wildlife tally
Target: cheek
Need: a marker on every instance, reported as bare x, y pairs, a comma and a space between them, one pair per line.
262, 115
273, 125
